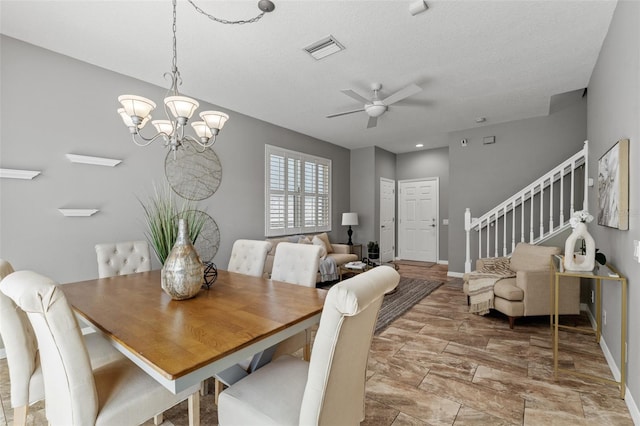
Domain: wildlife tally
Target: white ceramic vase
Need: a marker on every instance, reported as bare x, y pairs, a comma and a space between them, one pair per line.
578, 262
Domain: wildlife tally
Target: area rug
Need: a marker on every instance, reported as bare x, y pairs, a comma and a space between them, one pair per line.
409, 292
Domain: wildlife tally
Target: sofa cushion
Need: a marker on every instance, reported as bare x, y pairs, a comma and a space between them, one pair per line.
506, 288
325, 238
317, 241
342, 258
527, 257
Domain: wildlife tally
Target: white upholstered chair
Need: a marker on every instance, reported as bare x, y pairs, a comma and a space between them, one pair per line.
25, 372
328, 390
122, 258
117, 393
248, 256
296, 263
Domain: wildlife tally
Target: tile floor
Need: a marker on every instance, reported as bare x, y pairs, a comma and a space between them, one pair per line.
440, 365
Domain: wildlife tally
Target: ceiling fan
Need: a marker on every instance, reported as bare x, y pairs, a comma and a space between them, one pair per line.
375, 106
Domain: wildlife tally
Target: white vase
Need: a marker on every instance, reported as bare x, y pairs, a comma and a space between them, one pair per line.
578, 262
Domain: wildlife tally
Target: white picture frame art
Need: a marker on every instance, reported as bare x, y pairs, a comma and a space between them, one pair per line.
613, 186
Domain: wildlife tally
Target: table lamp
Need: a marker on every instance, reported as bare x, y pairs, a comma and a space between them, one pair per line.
349, 219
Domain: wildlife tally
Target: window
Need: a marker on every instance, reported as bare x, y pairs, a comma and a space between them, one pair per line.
297, 192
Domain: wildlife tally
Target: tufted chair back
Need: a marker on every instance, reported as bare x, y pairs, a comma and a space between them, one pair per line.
248, 256
21, 348
296, 263
123, 258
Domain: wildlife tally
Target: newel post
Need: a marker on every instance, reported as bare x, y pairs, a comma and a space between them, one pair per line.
467, 228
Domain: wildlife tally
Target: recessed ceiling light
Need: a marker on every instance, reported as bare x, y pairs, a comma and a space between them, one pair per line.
419, 145
481, 119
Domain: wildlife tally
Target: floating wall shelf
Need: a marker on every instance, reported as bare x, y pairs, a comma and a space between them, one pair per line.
18, 174
78, 212
96, 161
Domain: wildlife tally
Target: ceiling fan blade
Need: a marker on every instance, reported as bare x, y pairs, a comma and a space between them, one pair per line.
356, 96
338, 114
373, 122
401, 94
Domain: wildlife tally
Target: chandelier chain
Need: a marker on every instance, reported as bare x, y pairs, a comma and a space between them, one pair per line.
225, 21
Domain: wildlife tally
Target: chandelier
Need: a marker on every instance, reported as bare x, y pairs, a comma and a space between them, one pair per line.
136, 110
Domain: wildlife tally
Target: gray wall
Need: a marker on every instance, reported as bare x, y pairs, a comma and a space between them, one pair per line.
481, 176
426, 164
613, 114
53, 105
385, 168
363, 194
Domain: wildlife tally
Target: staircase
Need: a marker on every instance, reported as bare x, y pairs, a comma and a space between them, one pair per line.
534, 214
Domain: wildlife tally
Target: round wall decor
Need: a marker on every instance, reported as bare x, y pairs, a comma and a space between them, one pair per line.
193, 174
208, 240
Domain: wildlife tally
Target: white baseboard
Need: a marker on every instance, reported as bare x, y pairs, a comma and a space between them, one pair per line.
442, 262
628, 397
455, 274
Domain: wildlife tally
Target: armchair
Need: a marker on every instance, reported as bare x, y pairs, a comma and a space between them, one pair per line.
529, 292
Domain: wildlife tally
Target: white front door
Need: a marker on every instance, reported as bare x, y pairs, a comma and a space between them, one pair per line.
418, 225
387, 219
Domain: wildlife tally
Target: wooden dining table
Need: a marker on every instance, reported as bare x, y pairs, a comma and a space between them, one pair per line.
181, 343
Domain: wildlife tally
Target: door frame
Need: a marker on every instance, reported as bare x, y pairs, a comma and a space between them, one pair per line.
400, 245
395, 210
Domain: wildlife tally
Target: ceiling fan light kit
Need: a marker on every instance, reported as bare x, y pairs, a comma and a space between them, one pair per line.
375, 106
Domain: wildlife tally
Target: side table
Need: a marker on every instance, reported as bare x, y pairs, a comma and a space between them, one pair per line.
357, 250
605, 273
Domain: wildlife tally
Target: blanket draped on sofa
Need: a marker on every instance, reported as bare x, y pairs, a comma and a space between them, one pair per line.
481, 284
328, 269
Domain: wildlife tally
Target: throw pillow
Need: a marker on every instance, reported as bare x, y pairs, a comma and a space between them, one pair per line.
496, 265
304, 240
325, 238
323, 248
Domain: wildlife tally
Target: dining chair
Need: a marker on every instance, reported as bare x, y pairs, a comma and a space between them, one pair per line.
122, 258
248, 257
330, 389
294, 264
25, 372
116, 393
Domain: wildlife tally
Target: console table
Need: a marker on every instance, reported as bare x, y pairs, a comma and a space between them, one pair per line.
605, 273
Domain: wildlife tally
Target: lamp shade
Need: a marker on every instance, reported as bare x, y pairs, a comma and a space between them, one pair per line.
181, 106
214, 119
136, 106
201, 129
349, 219
163, 126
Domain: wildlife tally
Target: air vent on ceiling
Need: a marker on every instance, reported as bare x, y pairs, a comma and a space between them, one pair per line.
323, 48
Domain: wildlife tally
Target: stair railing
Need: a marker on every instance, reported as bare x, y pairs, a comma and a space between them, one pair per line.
532, 207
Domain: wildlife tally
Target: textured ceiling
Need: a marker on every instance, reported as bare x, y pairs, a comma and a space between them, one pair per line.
500, 59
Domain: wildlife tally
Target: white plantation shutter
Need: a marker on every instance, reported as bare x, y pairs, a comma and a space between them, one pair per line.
297, 192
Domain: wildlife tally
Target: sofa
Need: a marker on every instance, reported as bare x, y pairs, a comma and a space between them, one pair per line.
528, 293
341, 253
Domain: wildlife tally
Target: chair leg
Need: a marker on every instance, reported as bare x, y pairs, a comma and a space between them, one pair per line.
194, 409
511, 322
20, 415
204, 388
306, 353
158, 419
217, 388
